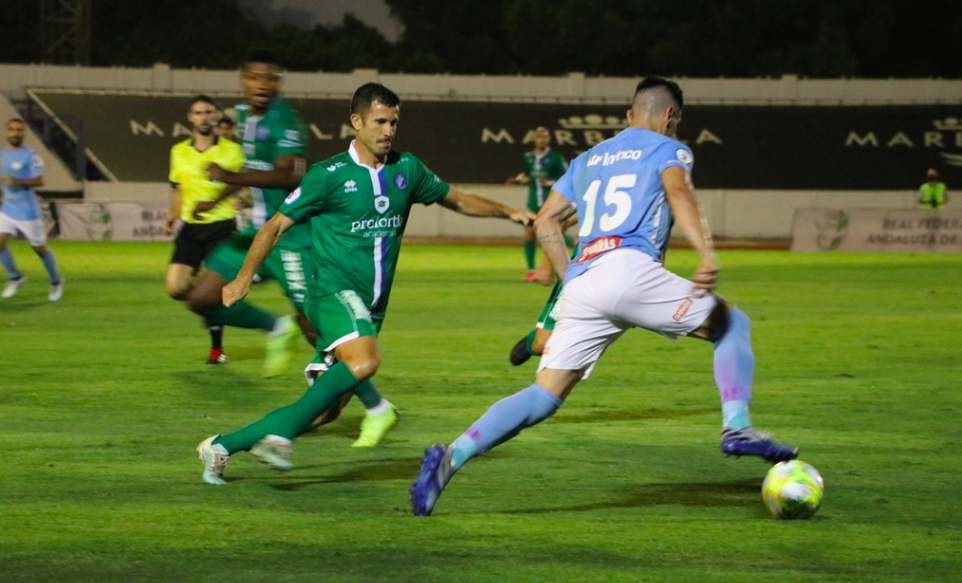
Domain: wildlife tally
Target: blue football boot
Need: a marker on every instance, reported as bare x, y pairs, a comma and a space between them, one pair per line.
749, 441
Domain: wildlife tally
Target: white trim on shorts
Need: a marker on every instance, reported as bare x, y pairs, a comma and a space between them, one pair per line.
623, 289
32, 229
329, 359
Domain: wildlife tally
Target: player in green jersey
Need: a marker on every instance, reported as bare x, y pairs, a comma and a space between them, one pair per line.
542, 168
534, 342
274, 142
358, 204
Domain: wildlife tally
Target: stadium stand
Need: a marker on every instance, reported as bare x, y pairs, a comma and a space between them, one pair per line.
764, 147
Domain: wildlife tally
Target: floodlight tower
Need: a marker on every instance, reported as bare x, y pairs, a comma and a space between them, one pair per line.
65, 32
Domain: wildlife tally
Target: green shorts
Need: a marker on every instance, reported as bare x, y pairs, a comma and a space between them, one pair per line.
339, 318
552, 308
290, 267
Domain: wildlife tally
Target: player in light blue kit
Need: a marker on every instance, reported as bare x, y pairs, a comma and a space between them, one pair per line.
22, 171
627, 192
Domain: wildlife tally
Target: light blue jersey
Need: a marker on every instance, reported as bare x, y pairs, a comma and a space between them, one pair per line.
19, 201
617, 189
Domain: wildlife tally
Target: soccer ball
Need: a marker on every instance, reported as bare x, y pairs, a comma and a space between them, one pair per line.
793, 490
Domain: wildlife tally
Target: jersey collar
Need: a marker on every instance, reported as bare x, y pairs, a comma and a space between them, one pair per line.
357, 160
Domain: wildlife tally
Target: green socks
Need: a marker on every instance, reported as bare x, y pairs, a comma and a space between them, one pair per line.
295, 419
529, 247
368, 395
241, 315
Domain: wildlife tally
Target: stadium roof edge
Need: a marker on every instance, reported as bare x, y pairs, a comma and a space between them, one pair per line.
574, 87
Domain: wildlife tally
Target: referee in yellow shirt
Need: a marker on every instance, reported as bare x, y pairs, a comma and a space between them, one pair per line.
205, 207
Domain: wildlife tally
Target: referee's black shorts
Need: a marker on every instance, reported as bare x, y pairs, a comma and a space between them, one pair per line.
195, 241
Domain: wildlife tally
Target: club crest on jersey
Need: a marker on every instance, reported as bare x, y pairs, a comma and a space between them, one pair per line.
381, 204
597, 247
350, 186
262, 133
683, 156
400, 181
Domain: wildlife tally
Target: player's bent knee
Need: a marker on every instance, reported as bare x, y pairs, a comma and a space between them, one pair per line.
364, 369
733, 318
200, 304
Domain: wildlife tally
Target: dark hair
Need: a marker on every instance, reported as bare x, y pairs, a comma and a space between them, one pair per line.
369, 93
226, 119
201, 99
15, 119
670, 86
261, 55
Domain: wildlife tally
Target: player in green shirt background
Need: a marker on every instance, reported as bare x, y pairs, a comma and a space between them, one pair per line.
358, 204
274, 141
542, 168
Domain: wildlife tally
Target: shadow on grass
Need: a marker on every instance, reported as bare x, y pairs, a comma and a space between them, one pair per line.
16, 307
622, 415
221, 382
382, 470
733, 493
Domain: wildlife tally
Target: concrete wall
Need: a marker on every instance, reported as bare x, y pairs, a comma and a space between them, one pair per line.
736, 214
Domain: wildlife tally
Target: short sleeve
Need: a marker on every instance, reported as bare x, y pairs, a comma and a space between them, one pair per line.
235, 161
307, 199
560, 168
429, 188
36, 166
565, 184
292, 138
675, 154
174, 176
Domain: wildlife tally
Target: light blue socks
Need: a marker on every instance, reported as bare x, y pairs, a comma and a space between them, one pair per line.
51, 264
734, 370
504, 420
6, 260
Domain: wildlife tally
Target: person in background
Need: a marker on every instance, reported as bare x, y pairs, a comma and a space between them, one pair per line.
542, 167
21, 171
274, 143
204, 206
932, 193
226, 128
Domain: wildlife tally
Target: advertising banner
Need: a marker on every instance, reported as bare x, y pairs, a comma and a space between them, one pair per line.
113, 221
877, 230
470, 142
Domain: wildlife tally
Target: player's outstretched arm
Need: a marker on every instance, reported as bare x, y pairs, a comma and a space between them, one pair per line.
549, 225
287, 173
681, 197
473, 205
263, 244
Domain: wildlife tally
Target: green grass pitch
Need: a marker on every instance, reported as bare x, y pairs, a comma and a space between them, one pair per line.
104, 396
